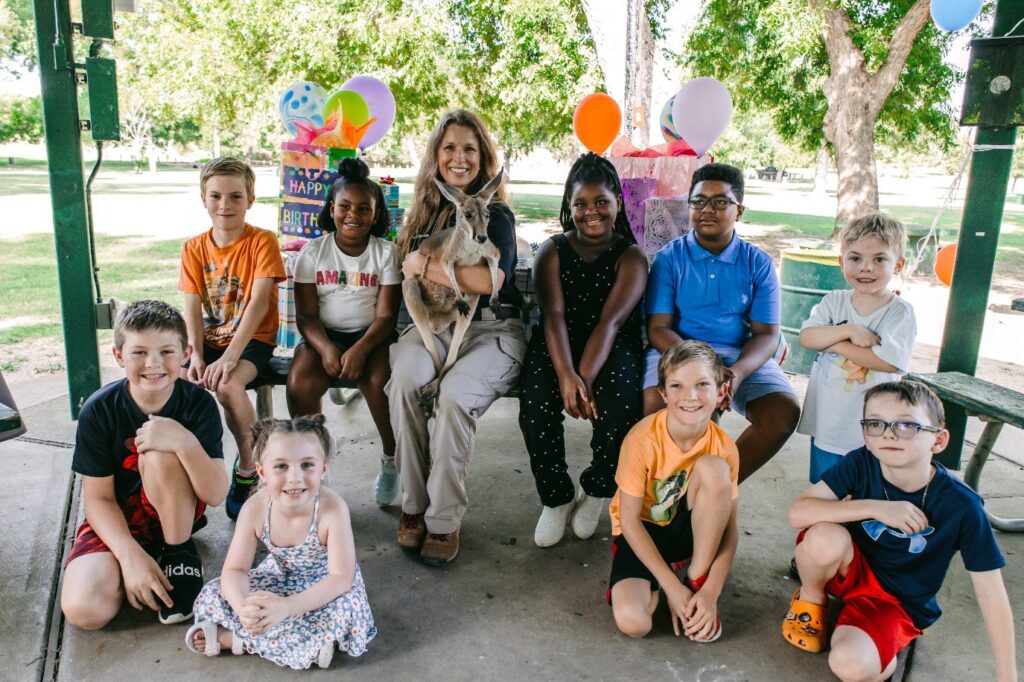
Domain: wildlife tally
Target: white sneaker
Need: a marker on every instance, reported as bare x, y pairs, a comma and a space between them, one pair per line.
551, 525
587, 514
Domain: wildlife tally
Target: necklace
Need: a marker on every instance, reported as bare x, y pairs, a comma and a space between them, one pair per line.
924, 495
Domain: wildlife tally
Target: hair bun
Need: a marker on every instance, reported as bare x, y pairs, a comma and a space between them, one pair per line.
353, 170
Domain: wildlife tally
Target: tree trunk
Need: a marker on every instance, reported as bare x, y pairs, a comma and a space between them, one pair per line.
821, 164
216, 141
853, 137
855, 99
412, 152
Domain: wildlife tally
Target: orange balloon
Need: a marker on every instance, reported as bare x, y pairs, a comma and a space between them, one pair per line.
597, 122
945, 259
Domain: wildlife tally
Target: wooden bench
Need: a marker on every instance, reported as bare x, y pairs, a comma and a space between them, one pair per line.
276, 371
995, 405
276, 374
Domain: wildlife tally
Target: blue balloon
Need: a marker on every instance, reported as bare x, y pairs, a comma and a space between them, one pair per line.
953, 15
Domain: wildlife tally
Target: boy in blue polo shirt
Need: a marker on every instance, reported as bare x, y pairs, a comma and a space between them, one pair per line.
712, 286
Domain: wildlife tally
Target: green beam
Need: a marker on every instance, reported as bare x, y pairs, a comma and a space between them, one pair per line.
976, 251
67, 197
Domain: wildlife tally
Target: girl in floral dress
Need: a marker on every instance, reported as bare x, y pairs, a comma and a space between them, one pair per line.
307, 597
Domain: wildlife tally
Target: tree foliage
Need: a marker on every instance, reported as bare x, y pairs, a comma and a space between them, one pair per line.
21, 119
223, 64
17, 35
771, 54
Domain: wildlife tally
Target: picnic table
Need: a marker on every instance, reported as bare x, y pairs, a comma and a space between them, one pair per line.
992, 404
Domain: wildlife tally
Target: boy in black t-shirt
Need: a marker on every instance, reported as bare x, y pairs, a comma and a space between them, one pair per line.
148, 448
880, 530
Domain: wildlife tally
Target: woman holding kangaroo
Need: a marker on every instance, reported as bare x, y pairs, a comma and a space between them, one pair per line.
433, 453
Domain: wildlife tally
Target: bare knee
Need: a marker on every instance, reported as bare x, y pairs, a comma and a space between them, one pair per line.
90, 604
824, 543
774, 415
230, 393
159, 465
632, 620
712, 475
849, 665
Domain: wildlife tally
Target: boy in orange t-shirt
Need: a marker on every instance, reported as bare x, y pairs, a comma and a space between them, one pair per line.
676, 503
229, 276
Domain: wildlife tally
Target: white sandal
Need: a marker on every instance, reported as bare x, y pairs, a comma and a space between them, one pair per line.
326, 654
212, 647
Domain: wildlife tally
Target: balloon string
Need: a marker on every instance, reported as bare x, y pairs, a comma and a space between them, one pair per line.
1015, 26
954, 187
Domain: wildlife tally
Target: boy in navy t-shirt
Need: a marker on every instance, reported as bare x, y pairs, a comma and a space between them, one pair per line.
880, 530
148, 448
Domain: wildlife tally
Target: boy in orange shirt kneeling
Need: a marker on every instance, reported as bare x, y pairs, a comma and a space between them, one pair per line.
676, 503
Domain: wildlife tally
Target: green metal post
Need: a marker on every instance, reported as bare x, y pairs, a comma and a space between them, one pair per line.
67, 197
976, 251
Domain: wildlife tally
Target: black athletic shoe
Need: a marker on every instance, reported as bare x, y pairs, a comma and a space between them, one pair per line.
238, 493
184, 569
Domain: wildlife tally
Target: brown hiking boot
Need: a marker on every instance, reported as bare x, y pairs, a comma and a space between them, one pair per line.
440, 549
411, 530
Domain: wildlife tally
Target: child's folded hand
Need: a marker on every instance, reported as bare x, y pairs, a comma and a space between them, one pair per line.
701, 616
331, 360
862, 336
678, 598
904, 516
272, 608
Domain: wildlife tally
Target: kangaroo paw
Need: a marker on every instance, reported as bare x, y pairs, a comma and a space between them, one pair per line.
428, 395
463, 307
495, 306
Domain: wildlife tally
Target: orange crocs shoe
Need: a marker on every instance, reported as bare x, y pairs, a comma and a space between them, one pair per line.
804, 625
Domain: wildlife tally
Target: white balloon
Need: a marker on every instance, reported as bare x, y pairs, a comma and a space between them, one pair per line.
701, 111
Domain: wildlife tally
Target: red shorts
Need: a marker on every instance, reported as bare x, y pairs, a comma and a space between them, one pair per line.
143, 524
868, 607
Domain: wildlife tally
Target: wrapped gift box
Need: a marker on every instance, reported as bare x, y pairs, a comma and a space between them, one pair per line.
664, 220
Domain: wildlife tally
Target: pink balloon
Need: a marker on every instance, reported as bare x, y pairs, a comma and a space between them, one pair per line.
701, 111
381, 102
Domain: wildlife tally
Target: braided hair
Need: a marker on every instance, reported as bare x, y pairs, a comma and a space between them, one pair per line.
355, 172
591, 167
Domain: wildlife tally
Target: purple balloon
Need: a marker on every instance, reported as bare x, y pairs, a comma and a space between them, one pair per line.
381, 102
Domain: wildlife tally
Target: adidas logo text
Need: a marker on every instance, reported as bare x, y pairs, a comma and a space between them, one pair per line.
181, 569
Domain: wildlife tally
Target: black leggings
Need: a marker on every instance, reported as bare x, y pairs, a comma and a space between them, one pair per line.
619, 401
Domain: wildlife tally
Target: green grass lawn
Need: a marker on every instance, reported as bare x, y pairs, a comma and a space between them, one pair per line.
139, 267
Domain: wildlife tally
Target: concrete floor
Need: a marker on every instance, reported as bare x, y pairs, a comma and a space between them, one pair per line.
505, 610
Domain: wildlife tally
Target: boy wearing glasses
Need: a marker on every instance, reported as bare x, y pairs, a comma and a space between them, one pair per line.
864, 335
712, 286
879, 532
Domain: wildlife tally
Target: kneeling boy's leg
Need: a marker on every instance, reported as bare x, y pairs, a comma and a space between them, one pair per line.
239, 412
167, 487
709, 498
633, 604
824, 551
92, 592
855, 657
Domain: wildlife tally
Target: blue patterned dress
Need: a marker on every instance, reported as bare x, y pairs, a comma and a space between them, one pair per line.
295, 642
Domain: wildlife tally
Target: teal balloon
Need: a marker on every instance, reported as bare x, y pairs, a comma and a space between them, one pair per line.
953, 15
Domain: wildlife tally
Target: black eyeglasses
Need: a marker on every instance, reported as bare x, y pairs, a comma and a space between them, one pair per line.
900, 429
718, 203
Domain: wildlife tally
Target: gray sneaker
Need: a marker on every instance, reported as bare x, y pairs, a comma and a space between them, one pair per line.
385, 486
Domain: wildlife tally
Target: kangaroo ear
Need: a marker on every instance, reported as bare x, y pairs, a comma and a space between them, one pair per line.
452, 194
488, 190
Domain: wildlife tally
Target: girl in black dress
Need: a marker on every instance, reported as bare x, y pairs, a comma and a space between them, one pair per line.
585, 357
